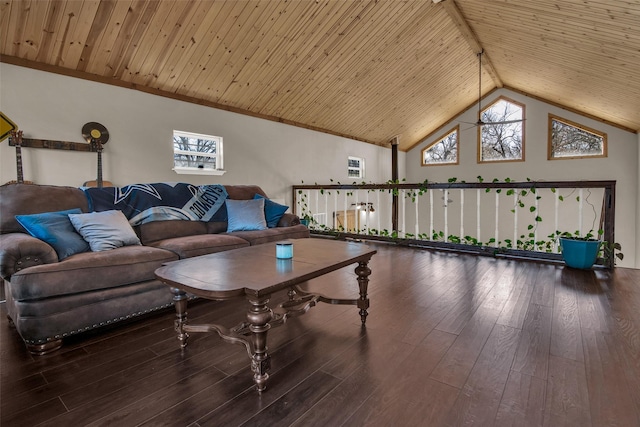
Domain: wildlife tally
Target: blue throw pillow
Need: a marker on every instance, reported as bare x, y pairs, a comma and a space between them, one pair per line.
272, 211
245, 215
56, 229
105, 230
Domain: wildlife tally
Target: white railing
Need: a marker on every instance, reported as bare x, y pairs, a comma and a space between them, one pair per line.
522, 219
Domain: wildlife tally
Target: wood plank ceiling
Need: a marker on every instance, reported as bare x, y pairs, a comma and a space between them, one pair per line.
366, 69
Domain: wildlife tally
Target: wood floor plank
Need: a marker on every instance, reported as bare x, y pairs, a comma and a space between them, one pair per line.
368, 363
523, 402
567, 396
515, 309
480, 396
295, 402
566, 336
609, 397
35, 415
544, 287
409, 396
532, 356
456, 365
466, 306
593, 306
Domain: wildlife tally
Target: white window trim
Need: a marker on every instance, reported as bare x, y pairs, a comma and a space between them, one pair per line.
198, 171
361, 169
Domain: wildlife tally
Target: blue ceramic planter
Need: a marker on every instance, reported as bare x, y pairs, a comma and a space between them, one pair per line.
579, 253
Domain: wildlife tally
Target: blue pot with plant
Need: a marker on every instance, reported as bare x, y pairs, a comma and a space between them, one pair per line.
579, 253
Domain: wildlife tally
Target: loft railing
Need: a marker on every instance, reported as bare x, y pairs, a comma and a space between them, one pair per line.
509, 219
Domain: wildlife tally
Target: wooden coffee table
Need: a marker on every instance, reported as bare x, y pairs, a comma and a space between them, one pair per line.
256, 273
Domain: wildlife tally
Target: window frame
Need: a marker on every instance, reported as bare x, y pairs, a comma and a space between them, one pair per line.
360, 169
455, 130
219, 156
522, 150
584, 128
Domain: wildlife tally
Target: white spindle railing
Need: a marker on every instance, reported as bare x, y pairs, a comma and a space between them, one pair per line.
563, 207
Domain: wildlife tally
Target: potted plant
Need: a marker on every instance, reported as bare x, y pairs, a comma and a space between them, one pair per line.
306, 219
582, 251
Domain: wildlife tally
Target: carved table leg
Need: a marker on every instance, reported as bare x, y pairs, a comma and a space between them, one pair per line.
363, 272
259, 316
180, 302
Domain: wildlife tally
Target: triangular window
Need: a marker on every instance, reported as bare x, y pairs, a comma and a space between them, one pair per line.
569, 140
444, 151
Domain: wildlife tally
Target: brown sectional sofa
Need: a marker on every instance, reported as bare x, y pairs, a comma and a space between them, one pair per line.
48, 300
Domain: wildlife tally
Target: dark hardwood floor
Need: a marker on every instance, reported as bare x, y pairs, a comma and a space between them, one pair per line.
450, 340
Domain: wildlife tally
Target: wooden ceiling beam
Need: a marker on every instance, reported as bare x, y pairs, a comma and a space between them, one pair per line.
470, 37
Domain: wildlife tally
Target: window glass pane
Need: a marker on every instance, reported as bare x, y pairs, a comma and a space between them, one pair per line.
197, 151
355, 167
502, 135
443, 151
572, 140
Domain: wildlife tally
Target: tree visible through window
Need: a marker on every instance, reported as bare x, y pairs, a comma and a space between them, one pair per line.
196, 153
444, 151
501, 138
355, 167
571, 140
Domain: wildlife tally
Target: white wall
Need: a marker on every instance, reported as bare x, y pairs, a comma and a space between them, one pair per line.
270, 154
621, 164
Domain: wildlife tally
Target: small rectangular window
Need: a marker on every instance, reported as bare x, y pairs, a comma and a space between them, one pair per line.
355, 167
569, 140
197, 154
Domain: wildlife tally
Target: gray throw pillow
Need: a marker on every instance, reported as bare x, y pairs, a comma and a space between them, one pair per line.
244, 215
104, 230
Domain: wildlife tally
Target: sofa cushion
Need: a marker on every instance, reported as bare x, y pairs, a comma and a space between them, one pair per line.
245, 215
243, 192
190, 246
56, 229
258, 237
24, 199
272, 211
163, 230
104, 230
89, 271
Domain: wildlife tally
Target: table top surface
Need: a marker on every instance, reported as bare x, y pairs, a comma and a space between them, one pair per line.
255, 270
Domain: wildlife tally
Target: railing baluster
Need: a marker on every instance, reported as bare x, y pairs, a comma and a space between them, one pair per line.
417, 227
515, 220
580, 193
478, 234
379, 210
446, 214
496, 232
403, 196
556, 221
431, 214
461, 213
335, 209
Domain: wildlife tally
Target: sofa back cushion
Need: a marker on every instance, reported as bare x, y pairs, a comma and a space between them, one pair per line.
243, 192
25, 199
162, 230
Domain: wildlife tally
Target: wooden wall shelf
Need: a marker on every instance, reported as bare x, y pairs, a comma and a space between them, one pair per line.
57, 145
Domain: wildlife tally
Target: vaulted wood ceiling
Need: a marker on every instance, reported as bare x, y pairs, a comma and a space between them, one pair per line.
370, 70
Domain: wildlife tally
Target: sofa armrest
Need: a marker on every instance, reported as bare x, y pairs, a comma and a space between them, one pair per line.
288, 220
20, 250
